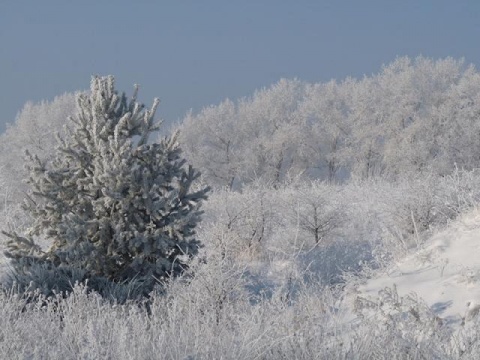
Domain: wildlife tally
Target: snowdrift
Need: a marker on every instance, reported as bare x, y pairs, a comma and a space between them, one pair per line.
445, 272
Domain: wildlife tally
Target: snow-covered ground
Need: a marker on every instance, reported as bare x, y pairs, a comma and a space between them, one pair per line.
445, 273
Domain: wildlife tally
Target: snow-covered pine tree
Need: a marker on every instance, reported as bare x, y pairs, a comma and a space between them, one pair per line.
114, 206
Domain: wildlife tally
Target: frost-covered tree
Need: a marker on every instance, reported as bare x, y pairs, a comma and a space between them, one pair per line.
114, 206
324, 113
33, 130
455, 127
213, 142
414, 95
272, 126
313, 210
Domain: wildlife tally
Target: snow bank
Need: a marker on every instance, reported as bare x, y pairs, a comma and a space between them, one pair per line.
445, 273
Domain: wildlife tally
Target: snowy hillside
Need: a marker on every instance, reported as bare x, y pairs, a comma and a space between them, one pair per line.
445, 273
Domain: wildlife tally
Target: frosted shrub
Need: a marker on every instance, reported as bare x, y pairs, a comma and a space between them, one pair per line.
115, 208
315, 209
241, 224
398, 216
413, 208
406, 325
458, 192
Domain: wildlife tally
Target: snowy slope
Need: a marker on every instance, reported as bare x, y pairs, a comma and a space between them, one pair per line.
445, 273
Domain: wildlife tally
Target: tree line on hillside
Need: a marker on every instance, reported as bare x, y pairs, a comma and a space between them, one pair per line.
413, 116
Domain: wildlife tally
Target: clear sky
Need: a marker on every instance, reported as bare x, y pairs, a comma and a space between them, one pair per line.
192, 53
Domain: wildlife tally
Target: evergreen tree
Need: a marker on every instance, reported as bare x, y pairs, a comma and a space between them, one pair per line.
114, 206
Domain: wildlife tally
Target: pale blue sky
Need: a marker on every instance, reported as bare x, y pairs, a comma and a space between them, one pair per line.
192, 53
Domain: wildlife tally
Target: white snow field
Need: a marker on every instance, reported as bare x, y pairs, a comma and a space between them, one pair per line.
445, 273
